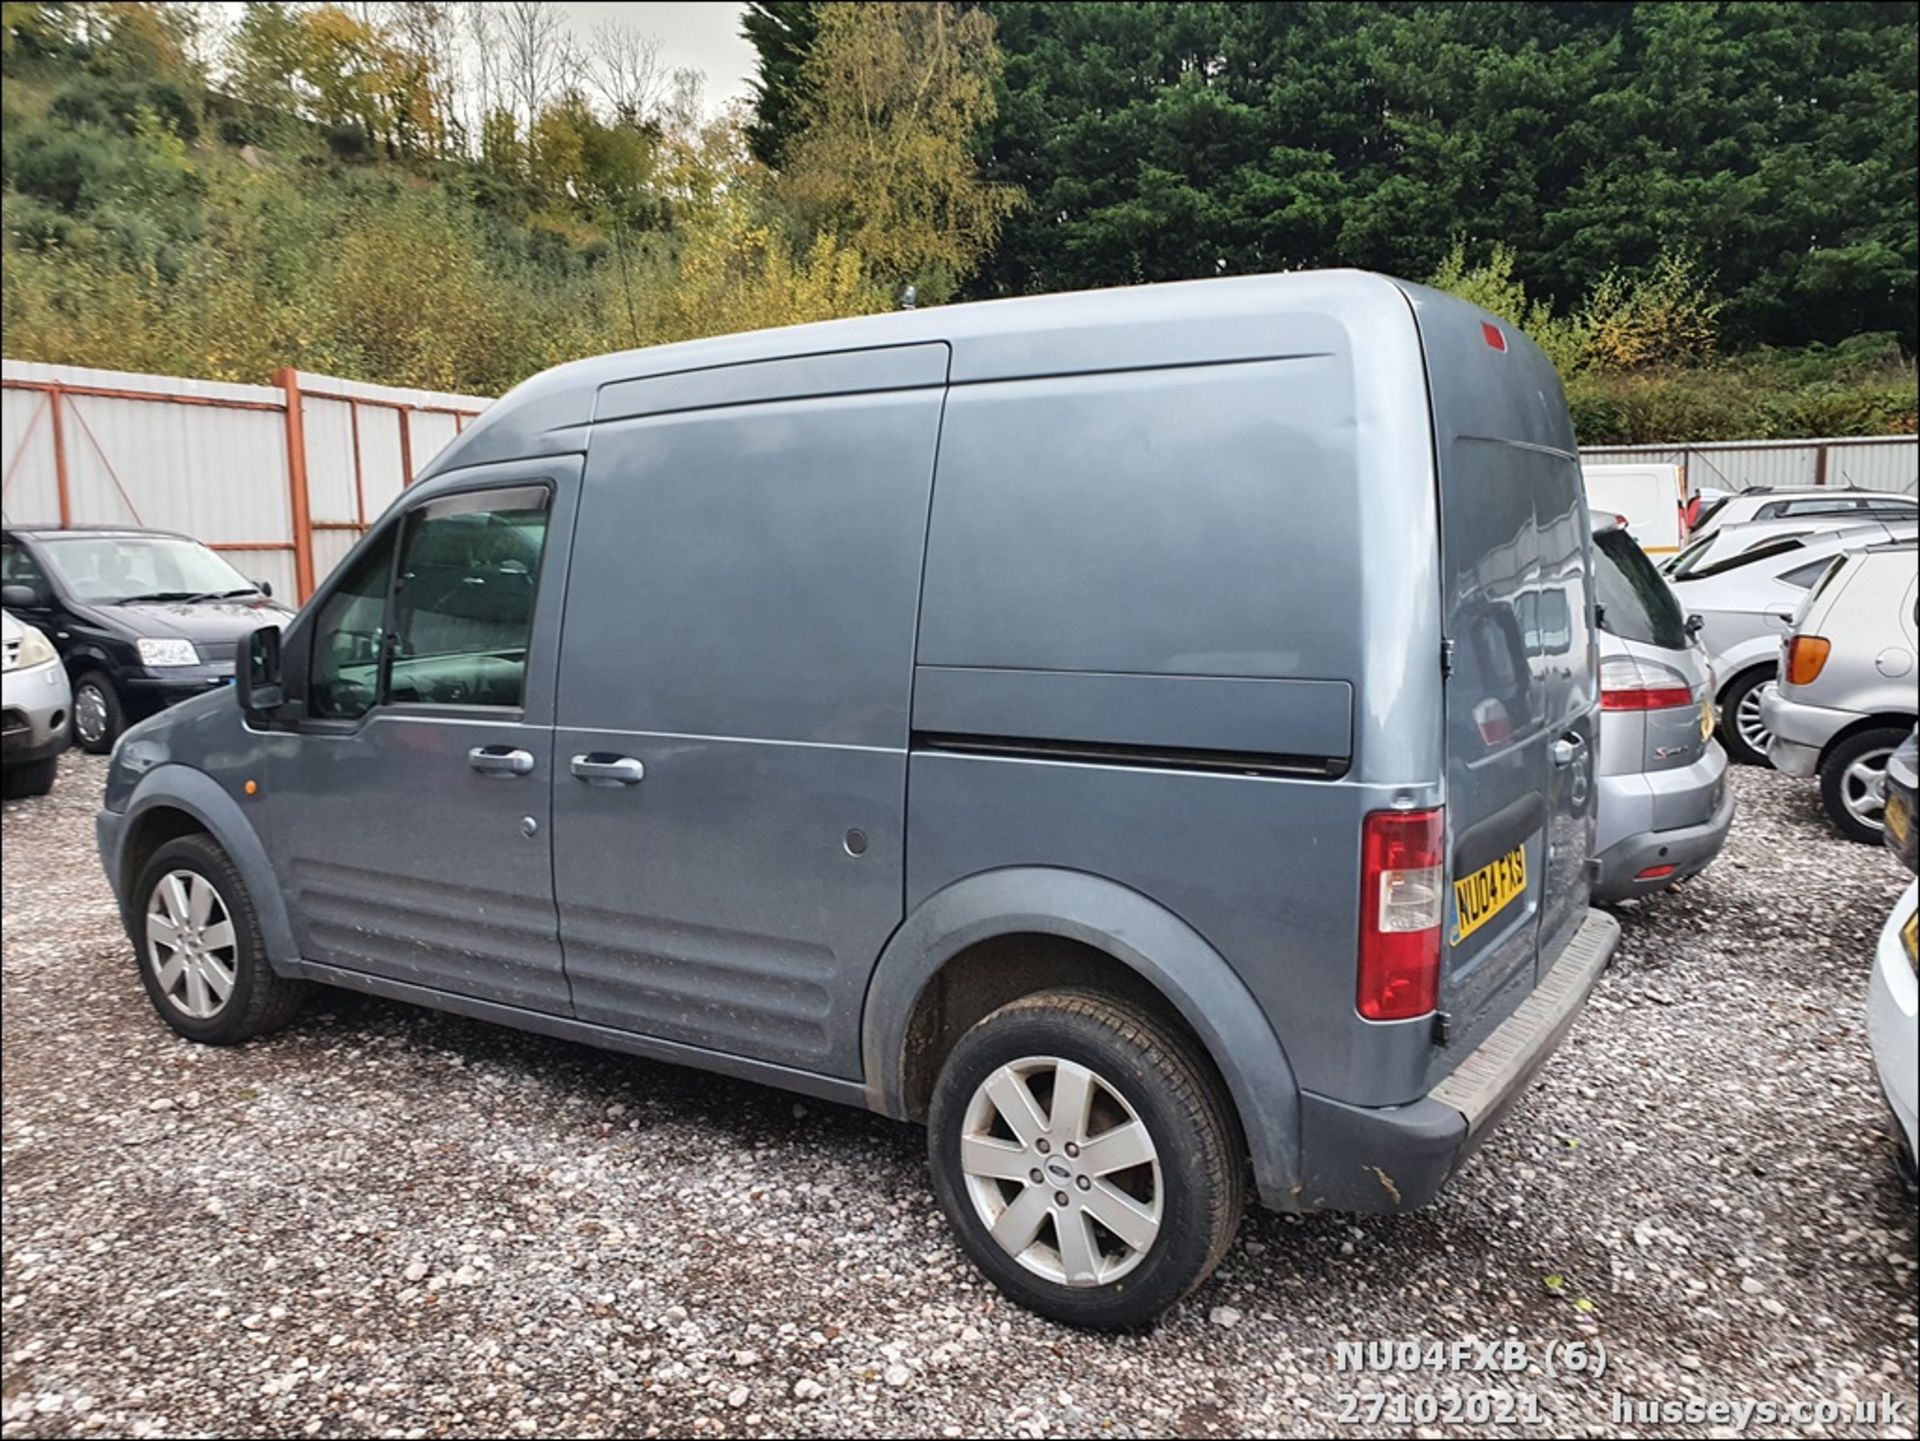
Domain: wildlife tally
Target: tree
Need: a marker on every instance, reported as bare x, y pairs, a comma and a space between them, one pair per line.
883, 158
535, 54
626, 70
782, 32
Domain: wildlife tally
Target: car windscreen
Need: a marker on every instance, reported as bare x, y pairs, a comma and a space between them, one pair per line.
109, 570
1745, 557
1634, 601
1683, 563
1709, 511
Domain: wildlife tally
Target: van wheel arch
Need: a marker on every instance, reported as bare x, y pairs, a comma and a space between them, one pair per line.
149, 831
999, 935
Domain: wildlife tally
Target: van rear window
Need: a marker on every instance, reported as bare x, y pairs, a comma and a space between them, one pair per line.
1634, 601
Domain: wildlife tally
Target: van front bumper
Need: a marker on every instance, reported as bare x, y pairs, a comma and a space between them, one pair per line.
1397, 1158
1801, 732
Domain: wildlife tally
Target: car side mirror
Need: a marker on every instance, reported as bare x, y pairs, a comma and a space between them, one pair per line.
22, 597
257, 677
265, 587
1696, 623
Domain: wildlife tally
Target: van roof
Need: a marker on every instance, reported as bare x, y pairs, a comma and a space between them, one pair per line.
1134, 327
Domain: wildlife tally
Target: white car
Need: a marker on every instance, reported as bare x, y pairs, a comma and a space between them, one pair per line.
1745, 604
36, 704
1893, 1016
1727, 541
1766, 503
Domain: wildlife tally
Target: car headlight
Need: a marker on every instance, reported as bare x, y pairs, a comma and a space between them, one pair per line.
35, 649
167, 650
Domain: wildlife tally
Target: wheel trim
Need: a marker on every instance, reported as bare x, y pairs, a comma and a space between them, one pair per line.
1863, 788
191, 944
1087, 1145
90, 714
1746, 720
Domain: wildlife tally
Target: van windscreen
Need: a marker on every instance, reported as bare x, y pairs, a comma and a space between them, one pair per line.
1634, 601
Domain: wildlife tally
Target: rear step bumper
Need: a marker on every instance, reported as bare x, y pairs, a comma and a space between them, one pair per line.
1396, 1158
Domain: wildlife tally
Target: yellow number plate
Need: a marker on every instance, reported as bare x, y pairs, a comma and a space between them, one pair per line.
1899, 819
1910, 938
1706, 719
1480, 897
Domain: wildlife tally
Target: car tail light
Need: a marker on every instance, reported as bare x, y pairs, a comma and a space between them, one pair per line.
1806, 658
1630, 684
1402, 905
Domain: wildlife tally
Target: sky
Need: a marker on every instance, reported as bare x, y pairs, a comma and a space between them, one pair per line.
704, 34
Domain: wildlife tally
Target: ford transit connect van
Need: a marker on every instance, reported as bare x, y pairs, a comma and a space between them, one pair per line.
1147, 736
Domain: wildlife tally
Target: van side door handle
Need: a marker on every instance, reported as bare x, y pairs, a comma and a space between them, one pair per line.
500, 760
603, 768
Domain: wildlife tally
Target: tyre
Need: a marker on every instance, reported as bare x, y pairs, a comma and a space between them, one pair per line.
1853, 782
97, 717
201, 956
1087, 1157
30, 778
1741, 732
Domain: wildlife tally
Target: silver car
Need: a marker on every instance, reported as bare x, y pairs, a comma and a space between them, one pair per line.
1745, 604
36, 705
1727, 541
1846, 699
1662, 805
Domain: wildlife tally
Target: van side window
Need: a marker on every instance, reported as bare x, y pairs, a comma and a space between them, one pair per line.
343, 679
463, 598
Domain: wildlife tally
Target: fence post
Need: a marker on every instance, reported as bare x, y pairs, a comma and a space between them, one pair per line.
59, 456
289, 381
1820, 465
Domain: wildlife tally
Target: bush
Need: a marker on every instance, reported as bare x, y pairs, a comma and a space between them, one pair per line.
110, 104
72, 170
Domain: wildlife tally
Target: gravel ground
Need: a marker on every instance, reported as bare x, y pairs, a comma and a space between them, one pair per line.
391, 1222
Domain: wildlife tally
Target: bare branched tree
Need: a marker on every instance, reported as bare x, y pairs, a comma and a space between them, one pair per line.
625, 68
536, 54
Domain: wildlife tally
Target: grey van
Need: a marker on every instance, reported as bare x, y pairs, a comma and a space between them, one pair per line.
1146, 736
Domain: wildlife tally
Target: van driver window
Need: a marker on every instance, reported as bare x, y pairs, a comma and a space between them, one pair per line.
343, 680
463, 599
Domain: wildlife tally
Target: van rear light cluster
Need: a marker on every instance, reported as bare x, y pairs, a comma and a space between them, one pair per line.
1630, 684
1806, 658
1402, 905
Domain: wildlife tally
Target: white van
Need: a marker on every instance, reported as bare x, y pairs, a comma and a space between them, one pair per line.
1652, 499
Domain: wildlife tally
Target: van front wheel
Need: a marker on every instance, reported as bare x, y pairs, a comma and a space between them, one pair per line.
1087, 1158
202, 959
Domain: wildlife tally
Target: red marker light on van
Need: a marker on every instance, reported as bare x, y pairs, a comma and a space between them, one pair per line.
1402, 904
1491, 334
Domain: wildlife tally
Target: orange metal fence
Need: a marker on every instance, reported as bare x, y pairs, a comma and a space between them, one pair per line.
189, 468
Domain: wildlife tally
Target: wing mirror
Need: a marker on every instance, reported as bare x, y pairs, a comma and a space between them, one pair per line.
257, 677
265, 587
21, 597
1696, 623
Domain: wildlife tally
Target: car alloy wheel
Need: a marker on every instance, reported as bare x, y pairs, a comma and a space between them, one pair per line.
1863, 788
191, 944
1069, 1186
1747, 721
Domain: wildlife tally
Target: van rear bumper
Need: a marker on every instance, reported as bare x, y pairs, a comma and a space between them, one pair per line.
1397, 1158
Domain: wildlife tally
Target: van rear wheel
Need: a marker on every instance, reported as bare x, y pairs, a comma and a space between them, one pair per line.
1087, 1158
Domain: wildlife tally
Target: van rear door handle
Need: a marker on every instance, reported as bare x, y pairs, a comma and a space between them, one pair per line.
500, 760
603, 768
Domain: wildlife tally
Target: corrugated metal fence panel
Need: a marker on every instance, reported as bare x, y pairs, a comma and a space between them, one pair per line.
329, 548
331, 498
379, 456
30, 492
1892, 464
137, 462
432, 433
273, 566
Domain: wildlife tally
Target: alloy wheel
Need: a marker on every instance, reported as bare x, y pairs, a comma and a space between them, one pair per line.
1863, 788
191, 944
90, 714
1062, 1171
1747, 721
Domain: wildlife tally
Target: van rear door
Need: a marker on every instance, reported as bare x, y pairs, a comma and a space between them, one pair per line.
1521, 688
